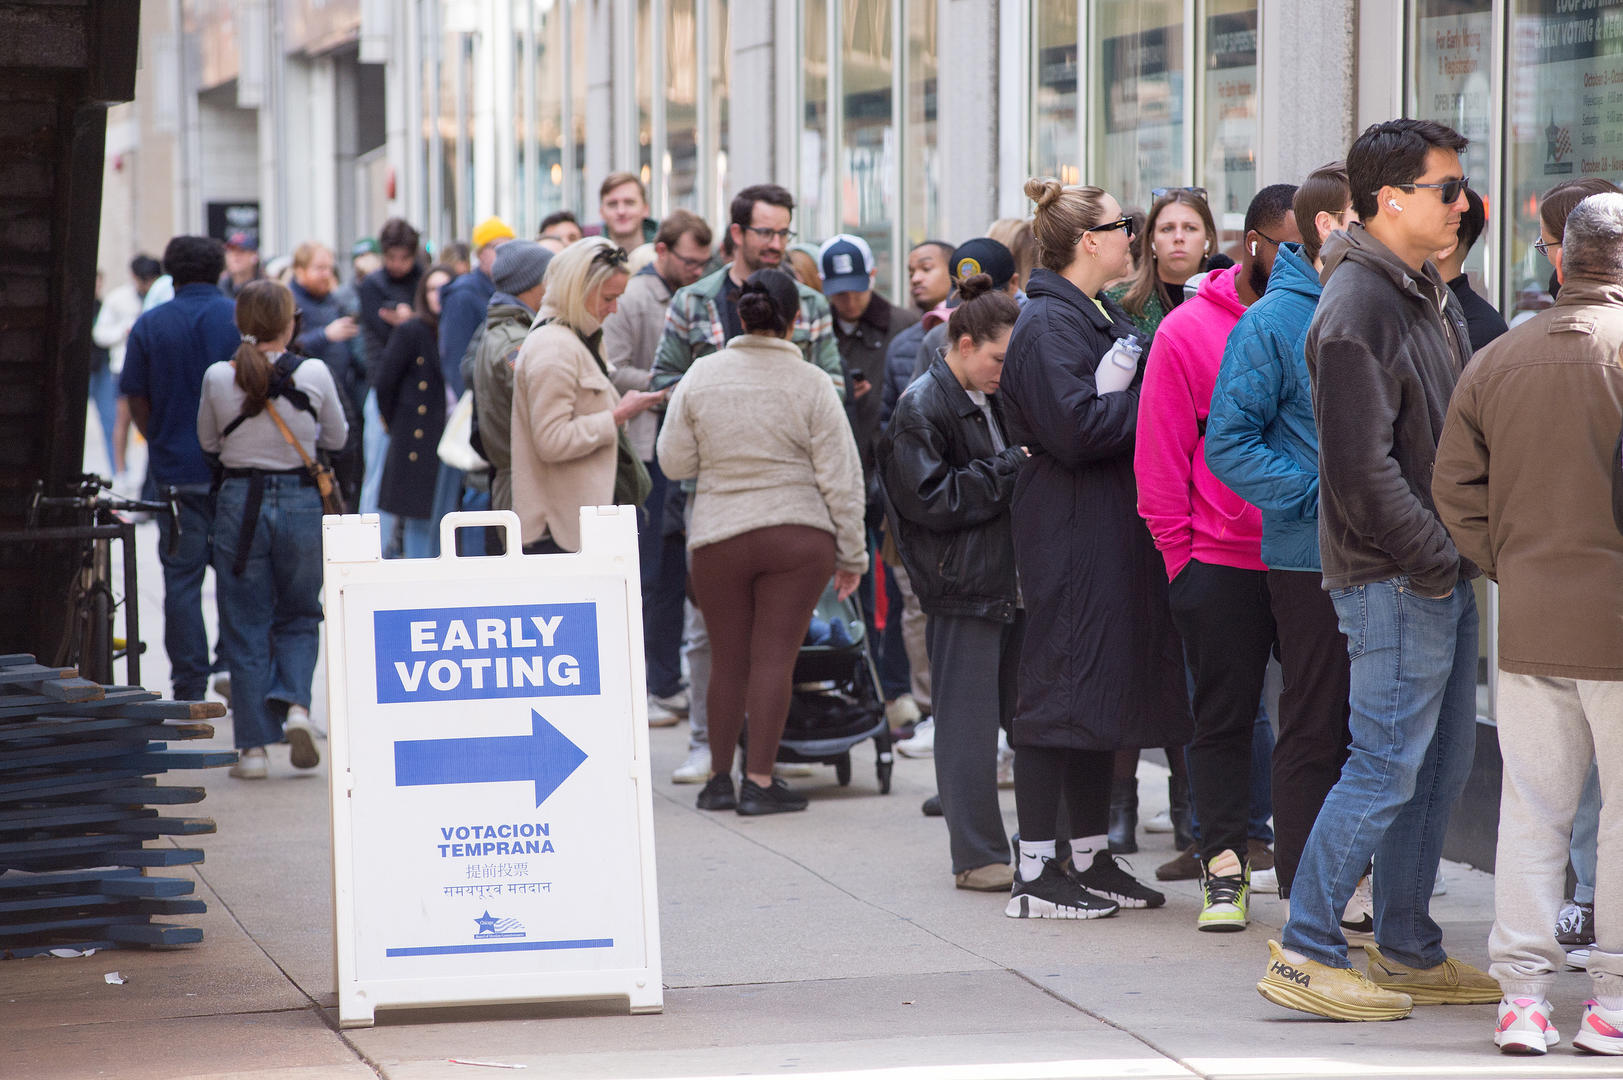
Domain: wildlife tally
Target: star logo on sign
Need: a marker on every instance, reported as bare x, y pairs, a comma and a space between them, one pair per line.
487, 922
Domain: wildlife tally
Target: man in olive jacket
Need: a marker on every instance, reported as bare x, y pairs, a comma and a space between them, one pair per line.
518, 272
1523, 481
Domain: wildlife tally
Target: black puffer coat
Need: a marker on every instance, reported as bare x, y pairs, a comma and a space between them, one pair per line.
1103, 667
948, 492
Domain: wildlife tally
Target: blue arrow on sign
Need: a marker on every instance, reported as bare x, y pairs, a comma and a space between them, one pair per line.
545, 757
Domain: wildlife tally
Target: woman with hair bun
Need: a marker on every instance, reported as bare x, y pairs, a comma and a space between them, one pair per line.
778, 509
949, 470
263, 413
1104, 668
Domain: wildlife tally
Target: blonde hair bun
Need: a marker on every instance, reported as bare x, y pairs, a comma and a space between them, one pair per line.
1043, 190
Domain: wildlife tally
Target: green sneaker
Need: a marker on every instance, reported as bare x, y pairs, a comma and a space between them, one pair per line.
1225, 887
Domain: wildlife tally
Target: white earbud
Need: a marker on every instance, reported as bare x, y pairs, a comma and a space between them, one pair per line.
1253, 247
1393, 203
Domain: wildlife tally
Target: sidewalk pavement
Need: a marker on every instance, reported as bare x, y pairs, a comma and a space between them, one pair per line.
827, 944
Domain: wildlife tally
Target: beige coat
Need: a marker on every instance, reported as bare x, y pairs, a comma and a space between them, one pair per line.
1523, 482
564, 438
766, 436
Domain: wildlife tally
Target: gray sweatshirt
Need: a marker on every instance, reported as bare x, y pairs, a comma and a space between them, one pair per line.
257, 443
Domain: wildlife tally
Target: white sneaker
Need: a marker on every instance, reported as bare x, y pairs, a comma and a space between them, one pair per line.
1359, 918
251, 764
677, 703
659, 715
793, 769
1161, 822
1524, 1026
922, 744
695, 770
301, 738
902, 712
1440, 886
1005, 761
1600, 1031
1265, 881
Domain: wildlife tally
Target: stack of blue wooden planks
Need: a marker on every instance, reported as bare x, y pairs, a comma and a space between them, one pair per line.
78, 792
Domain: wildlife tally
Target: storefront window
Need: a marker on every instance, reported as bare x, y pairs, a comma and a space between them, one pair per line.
1229, 113
922, 167
815, 199
681, 172
720, 64
1564, 108
868, 136
548, 125
1054, 92
1452, 61
583, 202
1137, 129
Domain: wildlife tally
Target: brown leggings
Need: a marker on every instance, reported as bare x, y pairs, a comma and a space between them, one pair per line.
757, 591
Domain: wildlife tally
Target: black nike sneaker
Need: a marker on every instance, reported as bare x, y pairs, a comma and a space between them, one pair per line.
1056, 895
1106, 877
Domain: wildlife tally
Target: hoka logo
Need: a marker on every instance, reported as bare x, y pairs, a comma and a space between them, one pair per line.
1285, 971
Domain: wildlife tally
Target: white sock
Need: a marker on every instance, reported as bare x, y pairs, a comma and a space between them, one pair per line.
1033, 853
1292, 955
1083, 849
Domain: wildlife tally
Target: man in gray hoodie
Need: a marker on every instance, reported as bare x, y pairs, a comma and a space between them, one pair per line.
1386, 346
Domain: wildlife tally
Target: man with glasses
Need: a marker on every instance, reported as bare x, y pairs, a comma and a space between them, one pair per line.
1386, 346
630, 338
702, 318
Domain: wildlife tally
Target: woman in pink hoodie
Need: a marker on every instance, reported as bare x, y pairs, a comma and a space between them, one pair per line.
1211, 540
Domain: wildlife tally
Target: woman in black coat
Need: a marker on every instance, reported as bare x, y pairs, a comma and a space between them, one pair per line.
1102, 668
411, 399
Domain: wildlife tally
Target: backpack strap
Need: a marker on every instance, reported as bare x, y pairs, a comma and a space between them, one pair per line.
281, 385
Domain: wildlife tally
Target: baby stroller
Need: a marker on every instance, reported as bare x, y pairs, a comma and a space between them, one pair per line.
837, 703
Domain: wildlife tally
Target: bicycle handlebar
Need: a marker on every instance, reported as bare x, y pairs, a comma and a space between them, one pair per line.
96, 495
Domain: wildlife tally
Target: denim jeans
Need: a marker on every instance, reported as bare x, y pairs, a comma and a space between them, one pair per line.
104, 393
374, 447
1585, 838
895, 677
663, 559
274, 604
1413, 723
185, 638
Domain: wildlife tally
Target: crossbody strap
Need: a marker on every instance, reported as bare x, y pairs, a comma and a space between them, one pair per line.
281, 426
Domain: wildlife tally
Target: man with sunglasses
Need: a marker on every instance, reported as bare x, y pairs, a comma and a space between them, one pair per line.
1386, 346
701, 319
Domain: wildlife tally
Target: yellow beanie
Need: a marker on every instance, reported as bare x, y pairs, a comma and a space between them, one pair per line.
489, 230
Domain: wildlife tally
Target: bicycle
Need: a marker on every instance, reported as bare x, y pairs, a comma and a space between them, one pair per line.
98, 517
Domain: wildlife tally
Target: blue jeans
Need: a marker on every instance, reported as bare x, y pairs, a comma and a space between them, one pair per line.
895, 677
185, 638
1585, 838
274, 630
1413, 723
104, 392
374, 448
419, 538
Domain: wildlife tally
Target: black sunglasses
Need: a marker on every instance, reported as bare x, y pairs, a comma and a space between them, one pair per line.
1119, 223
1162, 192
1449, 190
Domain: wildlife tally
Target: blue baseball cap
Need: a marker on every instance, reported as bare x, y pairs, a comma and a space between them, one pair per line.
847, 264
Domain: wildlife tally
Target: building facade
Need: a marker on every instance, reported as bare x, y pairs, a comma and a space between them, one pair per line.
894, 119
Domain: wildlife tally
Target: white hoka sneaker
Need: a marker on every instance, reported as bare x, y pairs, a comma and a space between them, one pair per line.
1524, 1026
922, 744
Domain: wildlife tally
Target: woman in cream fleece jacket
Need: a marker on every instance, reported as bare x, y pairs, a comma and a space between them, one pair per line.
779, 508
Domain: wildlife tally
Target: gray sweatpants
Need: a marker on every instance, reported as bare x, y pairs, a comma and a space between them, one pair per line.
1548, 730
973, 663
696, 651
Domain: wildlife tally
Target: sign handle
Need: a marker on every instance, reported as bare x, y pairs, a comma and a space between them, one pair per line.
497, 519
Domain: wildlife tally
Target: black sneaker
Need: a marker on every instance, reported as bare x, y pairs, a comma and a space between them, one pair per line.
718, 794
1056, 895
1575, 929
1107, 878
776, 798
932, 806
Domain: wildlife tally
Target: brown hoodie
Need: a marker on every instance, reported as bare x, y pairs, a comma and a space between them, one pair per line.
1523, 482
1385, 349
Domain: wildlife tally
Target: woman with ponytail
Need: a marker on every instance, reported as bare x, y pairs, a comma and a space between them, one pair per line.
263, 414
949, 469
1103, 670
779, 508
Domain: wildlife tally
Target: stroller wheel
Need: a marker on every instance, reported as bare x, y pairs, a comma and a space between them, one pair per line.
842, 770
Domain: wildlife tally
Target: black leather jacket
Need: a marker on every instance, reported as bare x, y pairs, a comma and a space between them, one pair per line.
948, 494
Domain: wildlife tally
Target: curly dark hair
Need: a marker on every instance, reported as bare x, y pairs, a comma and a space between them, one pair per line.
398, 233
193, 259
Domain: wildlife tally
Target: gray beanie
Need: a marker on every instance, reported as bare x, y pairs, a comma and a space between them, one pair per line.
520, 265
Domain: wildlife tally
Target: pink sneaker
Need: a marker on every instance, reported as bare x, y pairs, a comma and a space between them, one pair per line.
1524, 1026
1601, 1030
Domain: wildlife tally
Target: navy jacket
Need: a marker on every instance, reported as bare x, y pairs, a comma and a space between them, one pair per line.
169, 349
462, 313
1260, 437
